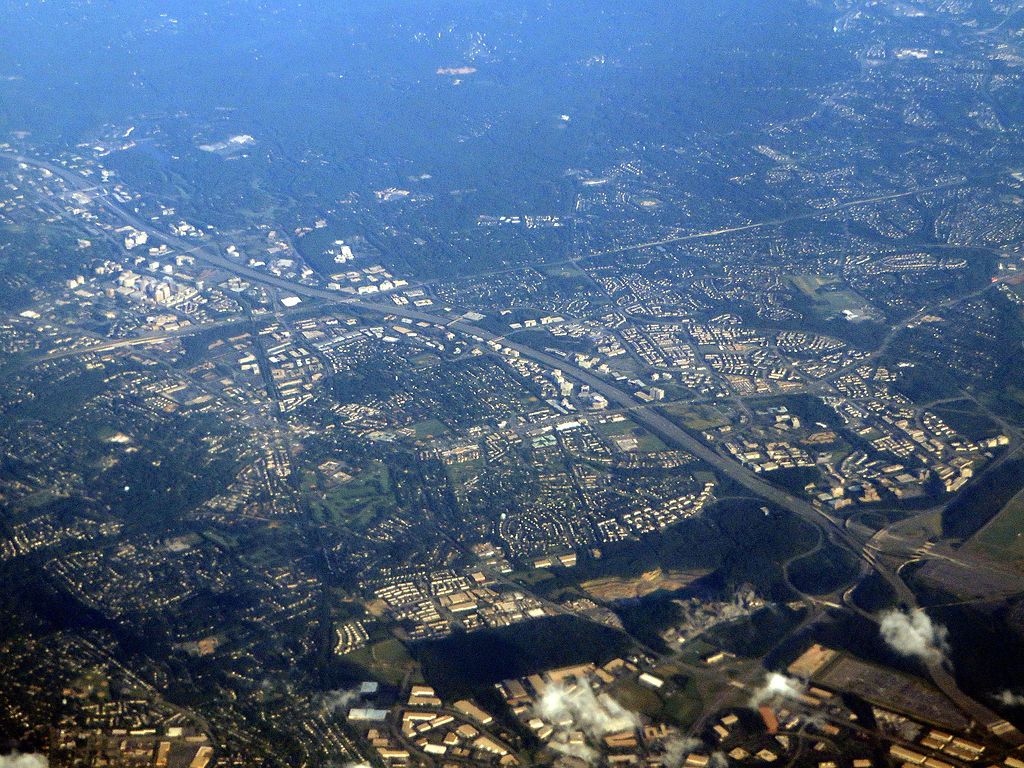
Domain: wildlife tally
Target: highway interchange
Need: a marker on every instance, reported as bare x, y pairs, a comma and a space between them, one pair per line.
871, 554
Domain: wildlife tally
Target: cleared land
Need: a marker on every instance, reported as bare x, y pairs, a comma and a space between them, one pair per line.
1003, 538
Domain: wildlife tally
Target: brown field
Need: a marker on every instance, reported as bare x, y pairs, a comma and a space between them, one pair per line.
617, 588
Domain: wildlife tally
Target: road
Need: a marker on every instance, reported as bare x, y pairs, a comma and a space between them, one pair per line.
787, 219
657, 423
144, 339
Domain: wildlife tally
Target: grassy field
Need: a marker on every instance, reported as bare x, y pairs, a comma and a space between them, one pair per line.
809, 284
387, 660
681, 705
646, 442
984, 501
561, 270
685, 707
613, 428
698, 417
694, 652
223, 540
637, 698
425, 360
834, 301
359, 501
429, 428
466, 663
1003, 537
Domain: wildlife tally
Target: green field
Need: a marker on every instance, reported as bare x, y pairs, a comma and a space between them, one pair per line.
700, 417
646, 442
1003, 538
637, 698
358, 502
425, 360
649, 443
685, 707
561, 270
809, 284
387, 660
833, 301
613, 428
222, 540
429, 428
681, 705
695, 651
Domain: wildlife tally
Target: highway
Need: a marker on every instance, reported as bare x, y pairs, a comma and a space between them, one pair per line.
657, 423
138, 341
787, 219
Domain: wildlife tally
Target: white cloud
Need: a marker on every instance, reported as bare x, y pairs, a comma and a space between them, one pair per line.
334, 701
914, 634
1009, 698
573, 707
777, 685
16, 760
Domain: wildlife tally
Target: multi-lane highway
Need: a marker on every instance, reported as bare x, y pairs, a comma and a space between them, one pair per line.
650, 418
